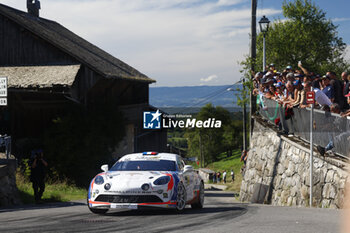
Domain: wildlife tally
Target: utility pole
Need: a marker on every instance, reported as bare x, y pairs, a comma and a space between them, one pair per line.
253, 59
201, 148
244, 123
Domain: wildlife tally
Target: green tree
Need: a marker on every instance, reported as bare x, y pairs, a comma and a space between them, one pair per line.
306, 35
214, 140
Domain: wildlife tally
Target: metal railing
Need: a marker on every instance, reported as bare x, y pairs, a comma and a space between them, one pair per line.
327, 127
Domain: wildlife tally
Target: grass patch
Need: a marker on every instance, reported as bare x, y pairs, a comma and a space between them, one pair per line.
228, 163
54, 191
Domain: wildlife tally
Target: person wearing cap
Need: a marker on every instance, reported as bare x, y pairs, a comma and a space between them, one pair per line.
289, 69
272, 68
328, 89
279, 90
297, 92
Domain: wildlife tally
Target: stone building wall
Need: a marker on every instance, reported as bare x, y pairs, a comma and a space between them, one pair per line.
8, 190
278, 168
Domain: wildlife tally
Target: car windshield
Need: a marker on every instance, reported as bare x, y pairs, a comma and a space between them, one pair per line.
144, 165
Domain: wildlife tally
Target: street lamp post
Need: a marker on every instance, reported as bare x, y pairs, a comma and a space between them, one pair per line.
264, 27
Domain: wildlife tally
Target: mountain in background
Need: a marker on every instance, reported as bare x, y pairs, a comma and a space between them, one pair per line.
190, 99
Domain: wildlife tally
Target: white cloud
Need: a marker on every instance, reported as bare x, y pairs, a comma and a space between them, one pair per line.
213, 77
176, 42
229, 2
335, 20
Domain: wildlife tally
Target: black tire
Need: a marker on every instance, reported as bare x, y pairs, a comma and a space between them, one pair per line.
181, 198
98, 211
200, 202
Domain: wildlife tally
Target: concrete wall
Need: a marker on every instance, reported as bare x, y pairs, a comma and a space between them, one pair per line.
278, 166
8, 190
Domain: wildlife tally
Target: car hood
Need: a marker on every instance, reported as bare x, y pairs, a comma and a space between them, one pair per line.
132, 180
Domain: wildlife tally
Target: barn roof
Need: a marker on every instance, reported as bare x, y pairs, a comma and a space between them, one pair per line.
39, 76
65, 40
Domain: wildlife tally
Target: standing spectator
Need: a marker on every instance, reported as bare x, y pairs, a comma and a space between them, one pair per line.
37, 175
244, 156
344, 76
328, 88
307, 88
346, 90
224, 176
346, 113
272, 68
337, 88
232, 175
218, 177
320, 97
214, 177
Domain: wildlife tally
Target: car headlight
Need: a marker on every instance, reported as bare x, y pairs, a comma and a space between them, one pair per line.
162, 180
99, 180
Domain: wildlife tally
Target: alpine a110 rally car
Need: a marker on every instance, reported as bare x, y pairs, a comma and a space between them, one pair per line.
148, 179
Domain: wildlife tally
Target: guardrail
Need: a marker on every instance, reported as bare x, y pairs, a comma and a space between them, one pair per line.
327, 127
5, 141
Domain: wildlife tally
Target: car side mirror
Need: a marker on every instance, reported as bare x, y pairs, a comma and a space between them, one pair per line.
104, 167
188, 168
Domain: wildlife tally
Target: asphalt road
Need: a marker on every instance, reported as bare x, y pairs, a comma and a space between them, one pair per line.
222, 213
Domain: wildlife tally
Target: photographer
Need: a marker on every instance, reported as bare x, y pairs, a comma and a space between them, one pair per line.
37, 175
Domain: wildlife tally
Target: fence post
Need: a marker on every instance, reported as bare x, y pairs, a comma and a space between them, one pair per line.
311, 149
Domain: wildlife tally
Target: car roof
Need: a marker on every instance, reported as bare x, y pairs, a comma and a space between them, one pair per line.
148, 156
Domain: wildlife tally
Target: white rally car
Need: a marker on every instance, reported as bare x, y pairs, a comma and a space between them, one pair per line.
148, 179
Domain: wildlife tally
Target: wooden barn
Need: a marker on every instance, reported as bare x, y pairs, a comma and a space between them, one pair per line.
49, 68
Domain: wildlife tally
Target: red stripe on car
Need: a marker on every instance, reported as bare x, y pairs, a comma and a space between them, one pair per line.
171, 182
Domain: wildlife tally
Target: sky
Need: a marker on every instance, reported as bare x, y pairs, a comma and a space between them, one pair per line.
175, 42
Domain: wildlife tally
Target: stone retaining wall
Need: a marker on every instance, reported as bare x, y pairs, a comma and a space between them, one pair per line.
8, 190
281, 165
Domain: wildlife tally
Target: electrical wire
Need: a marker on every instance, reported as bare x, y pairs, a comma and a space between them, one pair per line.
210, 96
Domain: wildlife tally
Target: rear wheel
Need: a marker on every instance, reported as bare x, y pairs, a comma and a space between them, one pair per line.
181, 197
200, 202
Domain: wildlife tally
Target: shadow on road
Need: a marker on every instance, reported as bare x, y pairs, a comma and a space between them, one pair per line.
221, 194
188, 211
40, 206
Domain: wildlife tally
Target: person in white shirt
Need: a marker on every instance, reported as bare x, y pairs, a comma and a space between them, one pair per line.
232, 175
321, 98
224, 176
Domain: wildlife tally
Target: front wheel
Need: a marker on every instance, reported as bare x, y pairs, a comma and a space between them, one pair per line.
200, 202
98, 211
181, 198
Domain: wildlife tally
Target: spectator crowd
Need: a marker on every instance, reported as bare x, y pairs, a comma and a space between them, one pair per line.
289, 88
